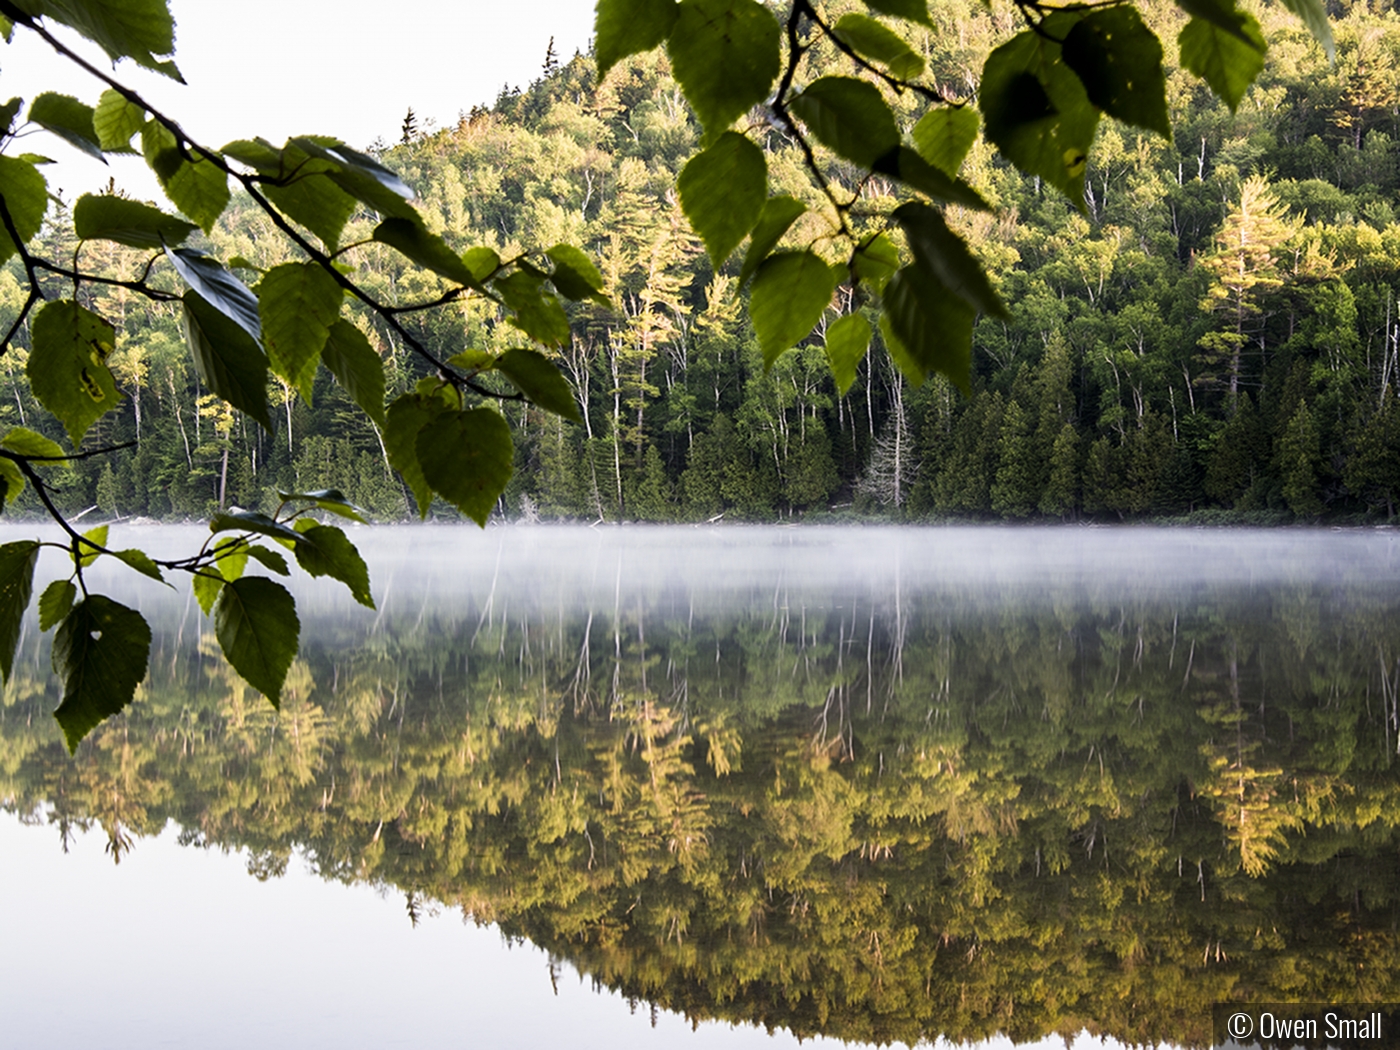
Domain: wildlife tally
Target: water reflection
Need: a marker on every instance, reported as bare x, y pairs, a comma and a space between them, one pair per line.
879, 785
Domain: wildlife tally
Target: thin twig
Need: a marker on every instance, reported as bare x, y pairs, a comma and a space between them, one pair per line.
29, 263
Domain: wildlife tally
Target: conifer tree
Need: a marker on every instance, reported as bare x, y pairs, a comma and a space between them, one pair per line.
1016, 490
1060, 496
1373, 469
1244, 269
1241, 449
1300, 458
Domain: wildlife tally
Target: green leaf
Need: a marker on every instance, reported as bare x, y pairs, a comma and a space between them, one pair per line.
69, 119
327, 551
88, 552
723, 190
943, 137
1119, 62
252, 521
55, 602
67, 366
101, 651
629, 27
1222, 13
353, 161
26, 196
266, 159
307, 195
467, 458
473, 361
931, 328
1035, 110
141, 562
141, 30
17, 562
537, 313
229, 361
198, 187
873, 41
317, 203
779, 213
911, 169
115, 120
127, 222
406, 418
206, 584
875, 261
574, 274
725, 56
269, 558
539, 379
231, 559
944, 254
482, 262
356, 367
298, 303
847, 339
790, 293
426, 249
256, 623
218, 288
26, 442
850, 117
361, 176
8, 112
332, 500
1228, 64
11, 482
910, 10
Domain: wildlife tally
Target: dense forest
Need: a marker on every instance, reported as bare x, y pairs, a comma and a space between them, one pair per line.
970, 809
1216, 336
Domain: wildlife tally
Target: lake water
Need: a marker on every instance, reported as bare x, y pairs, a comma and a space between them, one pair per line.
724, 788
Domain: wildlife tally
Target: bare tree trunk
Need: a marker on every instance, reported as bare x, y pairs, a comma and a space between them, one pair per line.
180, 419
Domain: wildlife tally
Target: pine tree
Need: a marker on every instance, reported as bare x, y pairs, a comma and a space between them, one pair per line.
651, 498
1061, 492
1241, 450
964, 485
1244, 268
1300, 458
106, 495
1373, 469
1015, 492
1102, 471
811, 472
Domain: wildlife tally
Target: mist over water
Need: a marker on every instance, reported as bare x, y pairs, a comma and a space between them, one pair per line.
877, 784
445, 565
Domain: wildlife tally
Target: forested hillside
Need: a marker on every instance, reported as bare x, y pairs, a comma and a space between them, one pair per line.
1217, 335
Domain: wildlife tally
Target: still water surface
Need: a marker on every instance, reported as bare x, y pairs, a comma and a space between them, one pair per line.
692, 786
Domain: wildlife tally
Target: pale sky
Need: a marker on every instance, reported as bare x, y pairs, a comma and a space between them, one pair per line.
276, 68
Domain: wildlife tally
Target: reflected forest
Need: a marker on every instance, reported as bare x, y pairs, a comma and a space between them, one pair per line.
925, 803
